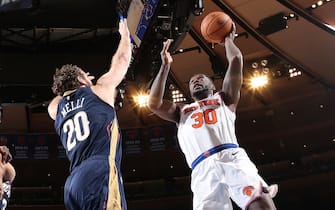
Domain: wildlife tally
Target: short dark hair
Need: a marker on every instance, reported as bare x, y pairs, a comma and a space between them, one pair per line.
66, 78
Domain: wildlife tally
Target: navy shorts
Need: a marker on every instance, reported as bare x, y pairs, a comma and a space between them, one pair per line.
86, 188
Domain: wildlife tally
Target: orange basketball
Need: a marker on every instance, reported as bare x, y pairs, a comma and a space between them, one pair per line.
216, 26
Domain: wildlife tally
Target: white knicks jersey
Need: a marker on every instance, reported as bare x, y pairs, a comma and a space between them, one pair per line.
205, 124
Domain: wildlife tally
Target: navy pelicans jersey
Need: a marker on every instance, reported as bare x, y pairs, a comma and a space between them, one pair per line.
204, 125
84, 123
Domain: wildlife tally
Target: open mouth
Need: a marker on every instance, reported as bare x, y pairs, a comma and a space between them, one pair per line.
197, 86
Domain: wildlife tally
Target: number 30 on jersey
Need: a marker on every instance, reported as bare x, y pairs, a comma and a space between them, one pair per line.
208, 117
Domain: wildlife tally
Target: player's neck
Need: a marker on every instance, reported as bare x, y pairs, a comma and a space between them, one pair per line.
201, 95
68, 92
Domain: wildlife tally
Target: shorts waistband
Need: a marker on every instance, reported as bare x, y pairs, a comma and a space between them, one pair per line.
211, 152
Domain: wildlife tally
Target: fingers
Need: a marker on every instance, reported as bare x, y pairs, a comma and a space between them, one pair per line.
121, 17
165, 54
124, 22
230, 36
233, 27
121, 24
234, 30
123, 28
90, 77
166, 45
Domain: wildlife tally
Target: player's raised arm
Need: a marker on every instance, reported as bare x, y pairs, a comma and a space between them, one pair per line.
234, 76
163, 108
106, 84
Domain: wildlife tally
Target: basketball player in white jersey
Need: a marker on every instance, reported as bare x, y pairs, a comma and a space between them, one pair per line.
221, 170
7, 176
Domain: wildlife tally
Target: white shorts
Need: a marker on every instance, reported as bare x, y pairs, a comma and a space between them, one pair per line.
224, 175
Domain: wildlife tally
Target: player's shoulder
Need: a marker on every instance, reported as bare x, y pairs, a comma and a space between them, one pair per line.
84, 89
86, 92
223, 96
181, 105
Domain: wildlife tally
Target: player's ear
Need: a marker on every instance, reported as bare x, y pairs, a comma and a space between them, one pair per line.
81, 79
213, 87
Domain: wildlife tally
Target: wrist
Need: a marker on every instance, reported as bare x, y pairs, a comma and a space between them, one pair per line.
166, 66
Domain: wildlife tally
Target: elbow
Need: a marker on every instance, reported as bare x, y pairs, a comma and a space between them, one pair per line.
52, 113
236, 61
154, 104
237, 58
152, 107
10, 173
123, 54
124, 57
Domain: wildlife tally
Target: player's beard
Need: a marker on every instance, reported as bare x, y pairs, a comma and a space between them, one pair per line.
201, 94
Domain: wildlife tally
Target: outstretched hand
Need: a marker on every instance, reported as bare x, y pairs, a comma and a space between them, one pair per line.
232, 34
165, 55
123, 28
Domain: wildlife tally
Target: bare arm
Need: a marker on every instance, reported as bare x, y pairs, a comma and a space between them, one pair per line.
163, 108
10, 173
106, 84
234, 76
53, 105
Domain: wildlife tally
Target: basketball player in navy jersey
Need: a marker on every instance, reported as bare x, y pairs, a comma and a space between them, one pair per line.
206, 133
85, 120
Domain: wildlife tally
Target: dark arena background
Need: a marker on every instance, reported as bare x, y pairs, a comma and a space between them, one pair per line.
286, 126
